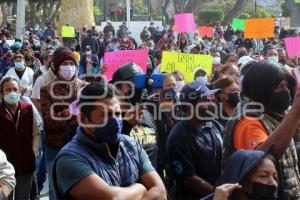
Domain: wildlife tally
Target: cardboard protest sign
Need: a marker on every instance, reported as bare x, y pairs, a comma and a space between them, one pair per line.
259, 28
68, 32
206, 31
115, 60
185, 22
185, 63
238, 24
293, 46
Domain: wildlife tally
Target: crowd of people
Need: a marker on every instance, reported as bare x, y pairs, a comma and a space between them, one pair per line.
232, 134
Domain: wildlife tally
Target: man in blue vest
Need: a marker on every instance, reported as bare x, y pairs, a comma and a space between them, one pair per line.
100, 162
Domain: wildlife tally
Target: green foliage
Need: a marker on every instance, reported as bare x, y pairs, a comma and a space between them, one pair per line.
210, 15
97, 11
249, 12
285, 10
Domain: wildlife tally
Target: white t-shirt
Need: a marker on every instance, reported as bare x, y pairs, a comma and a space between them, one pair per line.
26, 81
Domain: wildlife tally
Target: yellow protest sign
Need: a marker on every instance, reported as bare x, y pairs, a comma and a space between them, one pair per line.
259, 28
68, 32
185, 63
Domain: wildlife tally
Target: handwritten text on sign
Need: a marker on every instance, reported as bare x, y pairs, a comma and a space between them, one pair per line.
185, 63
259, 28
115, 60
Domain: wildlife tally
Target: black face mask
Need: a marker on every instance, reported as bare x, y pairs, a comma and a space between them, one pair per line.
207, 114
234, 99
280, 102
282, 61
263, 192
241, 54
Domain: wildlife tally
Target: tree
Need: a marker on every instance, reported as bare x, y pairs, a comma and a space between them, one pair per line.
236, 11
77, 13
294, 12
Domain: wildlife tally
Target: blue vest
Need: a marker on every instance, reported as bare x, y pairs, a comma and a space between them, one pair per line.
122, 170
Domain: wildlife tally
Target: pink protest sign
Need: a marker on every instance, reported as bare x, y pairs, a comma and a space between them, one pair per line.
185, 22
293, 46
115, 60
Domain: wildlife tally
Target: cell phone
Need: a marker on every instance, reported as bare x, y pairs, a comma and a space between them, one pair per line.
141, 80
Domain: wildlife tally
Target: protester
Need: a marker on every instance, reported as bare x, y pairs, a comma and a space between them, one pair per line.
97, 179
228, 98
109, 29
23, 74
265, 84
195, 164
6, 63
89, 65
248, 175
53, 99
7, 177
19, 135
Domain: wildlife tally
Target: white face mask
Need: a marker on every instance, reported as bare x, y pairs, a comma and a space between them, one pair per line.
88, 53
179, 85
67, 72
273, 58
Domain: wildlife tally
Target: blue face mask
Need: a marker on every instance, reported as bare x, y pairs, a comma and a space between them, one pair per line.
169, 94
12, 98
19, 65
219, 48
111, 132
202, 79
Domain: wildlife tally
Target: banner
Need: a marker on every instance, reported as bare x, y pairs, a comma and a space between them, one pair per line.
185, 22
115, 60
259, 28
206, 31
292, 46
238, 24
185, 63
68, 32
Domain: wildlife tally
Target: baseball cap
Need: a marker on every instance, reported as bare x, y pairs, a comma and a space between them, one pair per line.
195, 90
126, 73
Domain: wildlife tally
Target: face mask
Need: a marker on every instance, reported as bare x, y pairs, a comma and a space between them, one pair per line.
125, 39
219, 48
234, 99
207, 114
67, 72
88, 53
202, 80
273, 58
179, 85
241, 54
263, 192
19, 65
196, 37
213, 46
110, 133
169, 94
282, 61
281, 101
101, 40
12, 98
165, 36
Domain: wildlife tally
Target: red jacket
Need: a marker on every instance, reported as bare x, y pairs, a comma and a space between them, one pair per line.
17, 142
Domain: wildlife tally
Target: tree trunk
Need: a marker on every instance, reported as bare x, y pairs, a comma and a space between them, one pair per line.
164, 11
236, 11
294, 10
77, 13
